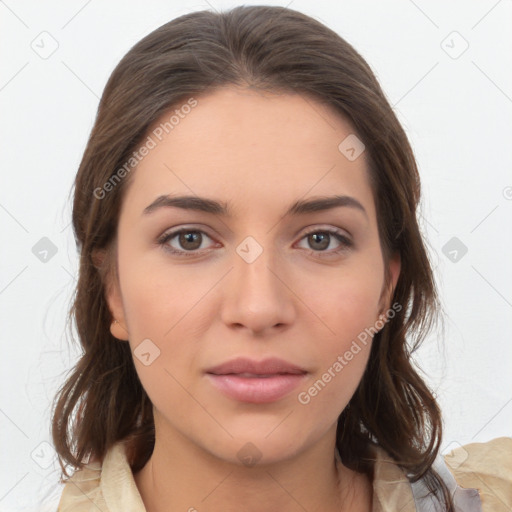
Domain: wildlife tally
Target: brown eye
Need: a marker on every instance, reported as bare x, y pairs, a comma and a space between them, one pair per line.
190, 240
184, 242
318, 242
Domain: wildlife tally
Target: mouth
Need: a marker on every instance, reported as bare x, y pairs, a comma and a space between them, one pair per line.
257, 382
254, 375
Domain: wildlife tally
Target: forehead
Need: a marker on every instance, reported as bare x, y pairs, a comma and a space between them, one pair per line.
251, 148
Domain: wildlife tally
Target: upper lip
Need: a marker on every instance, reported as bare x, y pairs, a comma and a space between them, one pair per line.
269, 366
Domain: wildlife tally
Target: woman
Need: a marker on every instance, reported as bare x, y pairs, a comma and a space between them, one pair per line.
252, 284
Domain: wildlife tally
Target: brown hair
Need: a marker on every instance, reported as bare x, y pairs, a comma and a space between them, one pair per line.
279, 50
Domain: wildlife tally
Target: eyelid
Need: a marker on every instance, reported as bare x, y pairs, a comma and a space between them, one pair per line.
343, 237
171, 233
346, 242
313, 228
327, 227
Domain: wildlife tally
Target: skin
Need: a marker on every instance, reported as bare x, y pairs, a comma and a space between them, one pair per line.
259, 152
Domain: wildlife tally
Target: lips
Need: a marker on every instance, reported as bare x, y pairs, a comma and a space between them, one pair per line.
256, 382
242, 365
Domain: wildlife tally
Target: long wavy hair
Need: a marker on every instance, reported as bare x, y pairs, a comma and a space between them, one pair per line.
269, 49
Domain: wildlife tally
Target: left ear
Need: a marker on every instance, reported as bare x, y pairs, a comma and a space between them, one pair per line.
393, 273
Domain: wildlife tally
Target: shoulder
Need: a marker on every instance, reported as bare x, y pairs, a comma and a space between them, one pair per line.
82, 491
486, 467
108, 486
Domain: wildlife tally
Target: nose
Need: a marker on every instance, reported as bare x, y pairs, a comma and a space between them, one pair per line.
258, 296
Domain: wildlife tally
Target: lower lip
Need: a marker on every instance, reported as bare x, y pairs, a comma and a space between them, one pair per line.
257, 390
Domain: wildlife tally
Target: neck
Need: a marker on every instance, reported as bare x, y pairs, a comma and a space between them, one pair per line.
180, 476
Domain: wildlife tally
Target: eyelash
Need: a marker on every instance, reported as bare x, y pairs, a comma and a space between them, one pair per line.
345, 242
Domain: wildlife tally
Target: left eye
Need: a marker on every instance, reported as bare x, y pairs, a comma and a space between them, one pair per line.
321, 239
190, 241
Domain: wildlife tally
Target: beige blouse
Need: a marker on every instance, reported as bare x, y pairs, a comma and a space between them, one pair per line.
483, 473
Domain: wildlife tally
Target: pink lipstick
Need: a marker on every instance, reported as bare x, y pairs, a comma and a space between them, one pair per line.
256, 382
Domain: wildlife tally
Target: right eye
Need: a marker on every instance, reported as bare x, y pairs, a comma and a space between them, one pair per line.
189, 239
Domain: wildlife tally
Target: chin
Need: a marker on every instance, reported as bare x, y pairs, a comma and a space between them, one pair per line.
256, 447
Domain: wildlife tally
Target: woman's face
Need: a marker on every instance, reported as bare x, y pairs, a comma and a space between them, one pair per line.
255, 280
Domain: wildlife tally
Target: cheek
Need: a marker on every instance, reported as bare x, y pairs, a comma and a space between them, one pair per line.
347, 301
348, 306
157, 298
342, 357
158, 307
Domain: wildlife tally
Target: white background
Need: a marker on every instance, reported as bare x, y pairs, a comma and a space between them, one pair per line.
456, 111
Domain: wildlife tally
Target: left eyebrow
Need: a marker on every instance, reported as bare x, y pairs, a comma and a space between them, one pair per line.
214, 207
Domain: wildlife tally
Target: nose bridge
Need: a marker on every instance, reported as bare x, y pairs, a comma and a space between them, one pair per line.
258, 296
254, 265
